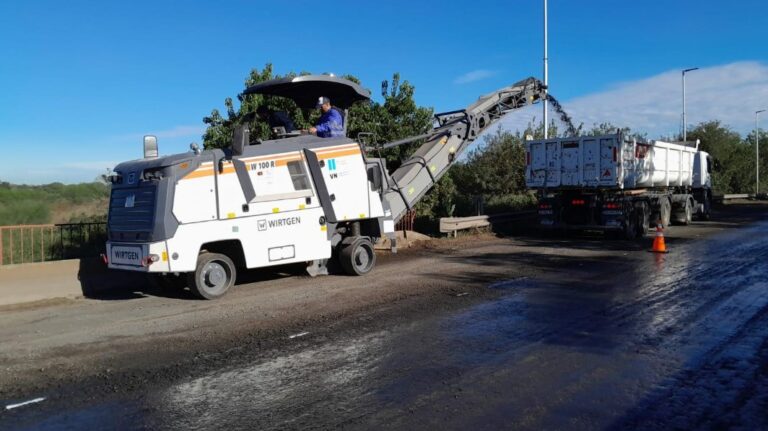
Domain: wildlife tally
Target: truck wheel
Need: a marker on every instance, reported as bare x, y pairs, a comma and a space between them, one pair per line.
688, 213
630, 226
643, 219
214, 275
665, 212
706, 213
358, 258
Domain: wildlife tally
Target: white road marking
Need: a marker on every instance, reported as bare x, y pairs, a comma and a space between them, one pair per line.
13, 406
300, 334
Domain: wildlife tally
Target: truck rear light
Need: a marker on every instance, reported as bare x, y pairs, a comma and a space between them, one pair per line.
578, 202
611, 206
149, 260
545, 206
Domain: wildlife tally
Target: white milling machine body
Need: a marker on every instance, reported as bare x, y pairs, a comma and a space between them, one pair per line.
299, 198
617, 183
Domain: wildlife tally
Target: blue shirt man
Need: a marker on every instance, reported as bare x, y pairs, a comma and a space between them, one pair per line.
331, 123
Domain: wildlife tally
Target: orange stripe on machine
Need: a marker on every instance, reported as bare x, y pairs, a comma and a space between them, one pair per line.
281, 159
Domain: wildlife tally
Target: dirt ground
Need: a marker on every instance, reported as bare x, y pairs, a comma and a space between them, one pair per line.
129, 341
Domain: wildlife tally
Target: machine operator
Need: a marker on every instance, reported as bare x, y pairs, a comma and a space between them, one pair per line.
331, 122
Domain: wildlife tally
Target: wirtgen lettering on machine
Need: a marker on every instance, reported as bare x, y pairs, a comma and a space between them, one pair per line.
284, 222
341, 199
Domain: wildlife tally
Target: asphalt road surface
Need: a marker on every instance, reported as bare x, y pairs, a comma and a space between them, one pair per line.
475, 333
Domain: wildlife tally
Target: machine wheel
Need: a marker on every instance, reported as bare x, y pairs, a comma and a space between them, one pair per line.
358, 258
665, 212
214, 275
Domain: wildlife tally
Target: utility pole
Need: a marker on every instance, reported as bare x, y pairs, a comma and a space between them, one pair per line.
757, 154
546, 73
685, 127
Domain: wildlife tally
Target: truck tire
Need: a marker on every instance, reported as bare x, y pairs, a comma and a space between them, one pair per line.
214, 275
684, 215
358, 257
630, 226
688, 213
665, 212
643, 218
707, 207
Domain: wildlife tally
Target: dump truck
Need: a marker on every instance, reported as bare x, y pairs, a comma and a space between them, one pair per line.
617, 184
201, 216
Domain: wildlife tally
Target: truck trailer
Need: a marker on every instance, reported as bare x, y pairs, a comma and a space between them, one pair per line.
202, 215
617, 184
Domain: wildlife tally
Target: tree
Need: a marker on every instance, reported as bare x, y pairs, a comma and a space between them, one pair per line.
397, 118
734, 168
220, 127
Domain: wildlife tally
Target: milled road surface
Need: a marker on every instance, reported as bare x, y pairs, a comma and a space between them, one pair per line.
478, 333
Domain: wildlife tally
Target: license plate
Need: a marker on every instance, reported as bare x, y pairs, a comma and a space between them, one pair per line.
126, 255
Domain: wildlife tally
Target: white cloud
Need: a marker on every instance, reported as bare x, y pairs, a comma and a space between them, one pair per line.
475, 75
730, 93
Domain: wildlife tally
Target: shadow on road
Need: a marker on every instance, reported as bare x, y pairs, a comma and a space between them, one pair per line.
99, 282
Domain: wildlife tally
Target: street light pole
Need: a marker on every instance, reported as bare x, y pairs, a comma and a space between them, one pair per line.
546, 72
684, 125
757, 153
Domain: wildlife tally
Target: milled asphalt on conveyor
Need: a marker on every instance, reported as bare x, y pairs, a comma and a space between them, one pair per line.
637, 341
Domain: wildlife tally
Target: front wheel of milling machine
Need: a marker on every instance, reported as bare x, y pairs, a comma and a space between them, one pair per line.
357, 257
214, 275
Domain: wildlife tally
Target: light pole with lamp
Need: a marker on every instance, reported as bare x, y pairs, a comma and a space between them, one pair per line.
546, 72
757, 154
684, 125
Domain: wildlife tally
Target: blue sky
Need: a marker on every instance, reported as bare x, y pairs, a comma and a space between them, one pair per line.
81, 82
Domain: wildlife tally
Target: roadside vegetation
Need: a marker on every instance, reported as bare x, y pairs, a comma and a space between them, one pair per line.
52, 203
490, 178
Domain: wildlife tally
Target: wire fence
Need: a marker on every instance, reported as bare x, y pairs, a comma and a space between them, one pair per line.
46, 242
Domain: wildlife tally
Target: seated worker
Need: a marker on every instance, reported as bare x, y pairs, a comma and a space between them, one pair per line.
331, 123
276, 118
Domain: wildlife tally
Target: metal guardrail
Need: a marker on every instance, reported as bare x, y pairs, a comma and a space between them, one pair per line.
733, 196
451, 225
45, 242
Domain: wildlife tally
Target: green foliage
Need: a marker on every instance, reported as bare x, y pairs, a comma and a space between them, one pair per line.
495, 173
509, 203
397, 118
22, 204
496, 168
220, 127
734, 168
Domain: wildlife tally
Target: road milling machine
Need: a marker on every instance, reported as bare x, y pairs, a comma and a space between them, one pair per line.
203, 215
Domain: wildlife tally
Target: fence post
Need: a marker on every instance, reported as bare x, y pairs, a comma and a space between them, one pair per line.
1, 245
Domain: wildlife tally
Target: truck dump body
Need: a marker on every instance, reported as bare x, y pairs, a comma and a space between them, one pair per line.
610, 162
615, 183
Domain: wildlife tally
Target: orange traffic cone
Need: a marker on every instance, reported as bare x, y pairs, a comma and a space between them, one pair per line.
658, 242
